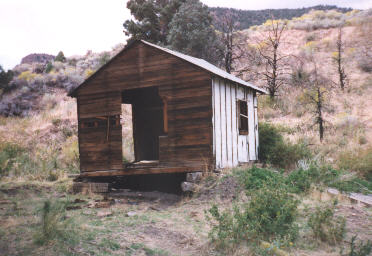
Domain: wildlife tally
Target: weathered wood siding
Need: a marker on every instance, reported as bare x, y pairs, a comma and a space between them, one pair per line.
186, 88
100, 147
230, 148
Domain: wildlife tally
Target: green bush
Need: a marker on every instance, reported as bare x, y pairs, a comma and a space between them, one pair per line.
270, 215
286, 154
327, 227
274, 150
256, 178
49, 67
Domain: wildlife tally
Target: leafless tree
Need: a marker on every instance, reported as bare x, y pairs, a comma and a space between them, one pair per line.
275, 66
339, 59
316, 94
232, 47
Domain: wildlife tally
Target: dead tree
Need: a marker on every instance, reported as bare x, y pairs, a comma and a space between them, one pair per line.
274, 61
315, 95
230, 42
339, 60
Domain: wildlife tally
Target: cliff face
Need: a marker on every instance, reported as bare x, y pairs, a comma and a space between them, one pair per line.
37, 58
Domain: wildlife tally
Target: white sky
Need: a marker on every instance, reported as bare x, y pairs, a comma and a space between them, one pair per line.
75, 26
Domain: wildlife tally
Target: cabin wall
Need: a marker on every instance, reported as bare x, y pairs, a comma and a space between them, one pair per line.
187, 90
100, 146
229, 147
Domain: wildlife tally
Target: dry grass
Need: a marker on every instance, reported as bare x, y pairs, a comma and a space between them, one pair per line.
349, 121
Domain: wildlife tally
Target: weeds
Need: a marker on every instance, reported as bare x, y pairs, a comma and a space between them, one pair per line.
359, 160
327, 227
148, 251
54, 224
361, 249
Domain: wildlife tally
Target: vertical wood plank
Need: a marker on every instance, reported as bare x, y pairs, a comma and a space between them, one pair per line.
234, 125
228, 125
217, 127
223, 123
255, 104
251, 127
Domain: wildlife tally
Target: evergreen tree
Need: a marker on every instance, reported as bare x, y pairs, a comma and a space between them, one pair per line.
192, 33
151, 19
5, 78
60, 57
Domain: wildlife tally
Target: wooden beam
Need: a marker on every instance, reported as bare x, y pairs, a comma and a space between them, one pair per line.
138, 171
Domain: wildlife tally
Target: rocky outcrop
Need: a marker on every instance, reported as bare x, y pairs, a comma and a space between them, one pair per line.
37, 58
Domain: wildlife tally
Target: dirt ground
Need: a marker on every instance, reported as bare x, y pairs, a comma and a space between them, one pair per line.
127, 222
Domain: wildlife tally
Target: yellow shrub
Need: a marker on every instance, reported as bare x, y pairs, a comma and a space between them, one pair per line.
88, 72
27, 75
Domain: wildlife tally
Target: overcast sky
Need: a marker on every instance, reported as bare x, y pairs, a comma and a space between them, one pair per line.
75, 26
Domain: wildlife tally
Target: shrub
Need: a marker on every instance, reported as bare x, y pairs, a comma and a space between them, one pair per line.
8, 156
256, 178
362, 249
365, 64
270, 215
27, 76
300, 180
54, 225
48, 67
269, 136
299, 76
286, 154
327, 227
273, 149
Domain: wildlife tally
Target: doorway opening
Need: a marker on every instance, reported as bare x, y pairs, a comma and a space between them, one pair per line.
147, 122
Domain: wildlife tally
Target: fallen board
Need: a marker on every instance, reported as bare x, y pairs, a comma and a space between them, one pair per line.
137, 171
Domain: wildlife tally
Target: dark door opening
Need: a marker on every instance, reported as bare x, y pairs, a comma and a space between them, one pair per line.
147, 119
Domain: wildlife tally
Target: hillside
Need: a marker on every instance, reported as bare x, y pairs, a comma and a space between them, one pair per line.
248, 18
285, 205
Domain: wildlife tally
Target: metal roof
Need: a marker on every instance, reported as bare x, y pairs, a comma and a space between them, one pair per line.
207, 66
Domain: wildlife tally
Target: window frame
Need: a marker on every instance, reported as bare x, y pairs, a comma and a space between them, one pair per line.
243, 129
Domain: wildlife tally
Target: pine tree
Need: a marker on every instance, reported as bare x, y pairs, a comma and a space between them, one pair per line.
191, 32
151, 19
60, 57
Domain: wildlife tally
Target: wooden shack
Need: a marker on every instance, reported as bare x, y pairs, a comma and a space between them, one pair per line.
188, 115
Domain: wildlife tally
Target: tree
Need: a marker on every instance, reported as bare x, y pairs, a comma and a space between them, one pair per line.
316, 93
275, 66
5, 78
338, 58
191, 31
151, 19
231, 45
60, 57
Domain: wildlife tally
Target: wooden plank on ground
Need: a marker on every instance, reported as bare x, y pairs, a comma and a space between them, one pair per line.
136, 171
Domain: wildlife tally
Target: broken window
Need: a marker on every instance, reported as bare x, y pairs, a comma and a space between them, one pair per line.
100, 122
243, 117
